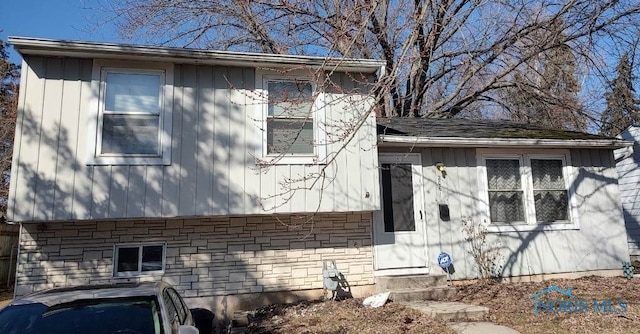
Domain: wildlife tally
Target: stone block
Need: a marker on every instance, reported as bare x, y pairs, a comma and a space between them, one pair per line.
299, 273
217, 245
188, 250
252, 247
101, 235
54, 241
71, 251
92, 255
237, 277
217, 273
188, 279
280, 243
281, 270
170, 232
235, 248
235, 230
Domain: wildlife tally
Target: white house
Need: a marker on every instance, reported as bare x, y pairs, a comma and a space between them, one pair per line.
628, 165
233, 176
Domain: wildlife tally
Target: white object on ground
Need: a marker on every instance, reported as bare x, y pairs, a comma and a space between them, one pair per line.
376, 300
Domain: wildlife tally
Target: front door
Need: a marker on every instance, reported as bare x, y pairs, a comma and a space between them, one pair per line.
399, 228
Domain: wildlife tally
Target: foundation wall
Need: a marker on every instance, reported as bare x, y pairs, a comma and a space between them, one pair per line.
207, 259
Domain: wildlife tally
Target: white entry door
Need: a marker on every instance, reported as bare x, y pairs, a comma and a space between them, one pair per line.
399, 228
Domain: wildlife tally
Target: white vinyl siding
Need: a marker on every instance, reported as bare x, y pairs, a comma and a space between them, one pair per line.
629, 173
524, 249
212, 168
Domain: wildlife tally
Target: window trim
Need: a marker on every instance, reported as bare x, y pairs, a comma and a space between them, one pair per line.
139, 273
262, 114
525, 157
99, 71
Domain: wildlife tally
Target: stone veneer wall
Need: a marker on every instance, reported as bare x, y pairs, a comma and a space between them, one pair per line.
205, 256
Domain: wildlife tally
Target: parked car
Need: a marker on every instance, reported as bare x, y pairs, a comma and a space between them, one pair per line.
129, 308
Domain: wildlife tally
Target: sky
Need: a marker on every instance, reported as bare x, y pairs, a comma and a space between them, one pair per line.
56, 19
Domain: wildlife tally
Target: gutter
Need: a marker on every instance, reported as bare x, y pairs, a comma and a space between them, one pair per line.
79, 49
396, 141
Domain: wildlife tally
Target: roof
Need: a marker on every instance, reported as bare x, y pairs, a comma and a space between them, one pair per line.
70, 294
403, 131
82, 49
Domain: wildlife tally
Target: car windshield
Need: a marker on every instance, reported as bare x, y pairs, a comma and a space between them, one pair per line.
101, 316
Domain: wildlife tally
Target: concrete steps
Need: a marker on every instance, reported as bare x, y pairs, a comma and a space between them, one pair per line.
433, 293
449, 311
391, 283
415, 287
425, 293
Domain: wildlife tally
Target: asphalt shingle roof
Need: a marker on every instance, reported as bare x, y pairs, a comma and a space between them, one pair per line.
466, 128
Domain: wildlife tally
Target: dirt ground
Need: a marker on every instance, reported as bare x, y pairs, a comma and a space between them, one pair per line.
5, 297
342, 317
510, 304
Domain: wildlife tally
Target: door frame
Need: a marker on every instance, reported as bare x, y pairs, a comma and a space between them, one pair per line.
415, 159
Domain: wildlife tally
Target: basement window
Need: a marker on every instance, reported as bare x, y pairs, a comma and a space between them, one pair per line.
136, 260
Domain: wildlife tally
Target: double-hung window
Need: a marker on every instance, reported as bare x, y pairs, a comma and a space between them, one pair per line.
133, 120
291, 119
527, 190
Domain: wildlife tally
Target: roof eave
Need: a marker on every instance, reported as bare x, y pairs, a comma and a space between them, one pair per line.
63, 48
391, 141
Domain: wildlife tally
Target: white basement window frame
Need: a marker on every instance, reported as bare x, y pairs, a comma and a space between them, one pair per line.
526, 188
123, 265
114, 105
266, 152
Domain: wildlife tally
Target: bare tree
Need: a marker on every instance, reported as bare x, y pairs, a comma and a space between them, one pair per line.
545, 88
442, 56
9, 74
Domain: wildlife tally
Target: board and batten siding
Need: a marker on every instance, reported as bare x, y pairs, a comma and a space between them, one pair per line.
599, 243
213, 169
629, 180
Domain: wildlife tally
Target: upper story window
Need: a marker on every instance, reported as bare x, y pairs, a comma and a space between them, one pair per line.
134, 114
292, 119
527, 190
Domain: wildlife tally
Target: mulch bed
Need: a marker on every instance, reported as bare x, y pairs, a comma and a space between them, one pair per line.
342, 317
510, 305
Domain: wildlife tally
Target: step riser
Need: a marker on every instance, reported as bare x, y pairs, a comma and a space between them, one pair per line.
412, 282
418, 295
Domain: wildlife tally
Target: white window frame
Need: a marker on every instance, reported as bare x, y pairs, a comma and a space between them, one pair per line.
525, 156
138, 273
262, 112
100, 70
